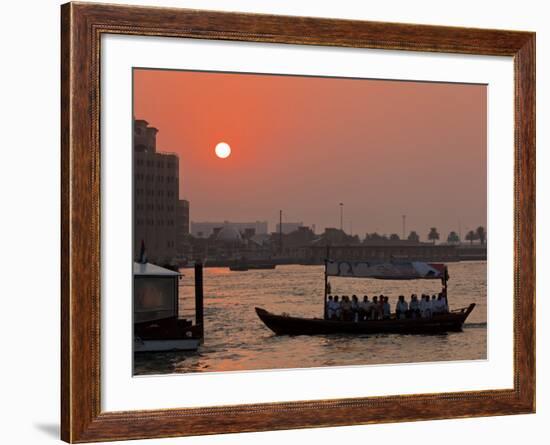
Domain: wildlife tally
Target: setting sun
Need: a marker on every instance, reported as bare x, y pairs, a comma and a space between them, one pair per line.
223, 150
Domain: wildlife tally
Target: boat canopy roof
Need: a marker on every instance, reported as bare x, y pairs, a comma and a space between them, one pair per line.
413, 270
149, 269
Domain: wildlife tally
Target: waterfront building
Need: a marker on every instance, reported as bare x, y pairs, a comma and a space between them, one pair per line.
228, 234
375, 239
206, 229
332, 236
182, 227
183, 216
316, 254
156, 196
288, 227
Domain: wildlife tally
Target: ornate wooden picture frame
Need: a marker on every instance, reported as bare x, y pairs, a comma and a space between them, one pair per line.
82, 26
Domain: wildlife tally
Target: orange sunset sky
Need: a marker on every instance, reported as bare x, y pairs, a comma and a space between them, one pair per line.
305, 144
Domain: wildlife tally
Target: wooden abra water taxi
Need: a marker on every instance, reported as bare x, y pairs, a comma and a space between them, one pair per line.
287, 325
438, 323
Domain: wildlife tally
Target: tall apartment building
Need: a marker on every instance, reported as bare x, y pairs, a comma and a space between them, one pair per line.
156, 196
182, 218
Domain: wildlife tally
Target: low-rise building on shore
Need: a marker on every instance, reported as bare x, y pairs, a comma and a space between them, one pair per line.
381, 253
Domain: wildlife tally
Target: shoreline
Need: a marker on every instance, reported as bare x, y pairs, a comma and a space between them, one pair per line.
284, 262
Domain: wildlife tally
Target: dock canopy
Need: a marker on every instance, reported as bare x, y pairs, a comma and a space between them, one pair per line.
149, 269
155, 292
413, 270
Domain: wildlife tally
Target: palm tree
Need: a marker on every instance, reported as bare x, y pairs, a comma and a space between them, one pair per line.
433, 235
481, 235
453, 238
413, 236
471, 236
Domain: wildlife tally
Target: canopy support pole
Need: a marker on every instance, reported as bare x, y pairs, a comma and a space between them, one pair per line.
445, 279
325, 306
199, 299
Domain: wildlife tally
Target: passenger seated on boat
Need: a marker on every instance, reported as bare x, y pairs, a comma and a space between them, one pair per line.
425, 306
414, 307
346, 309
380, 307
386, 309
375, 308
355, 308
330, 308
365, 309
401, 307
349, 314
440, 305
341, 307
436, 306
445, 302
433, 301
336, 310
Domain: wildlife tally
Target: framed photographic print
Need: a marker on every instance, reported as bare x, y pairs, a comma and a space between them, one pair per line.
276, 222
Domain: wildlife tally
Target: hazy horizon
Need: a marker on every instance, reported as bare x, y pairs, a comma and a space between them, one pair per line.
304, 144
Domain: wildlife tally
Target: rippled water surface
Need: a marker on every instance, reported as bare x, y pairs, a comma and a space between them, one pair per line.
236, 339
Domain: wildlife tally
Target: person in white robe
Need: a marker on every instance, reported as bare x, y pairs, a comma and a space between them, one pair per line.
375, 307
355, 308
401, 307
337, 308
386, 308
414, 306
440, 305
433, 304
445, 302
365, 308
330, 308
425, 307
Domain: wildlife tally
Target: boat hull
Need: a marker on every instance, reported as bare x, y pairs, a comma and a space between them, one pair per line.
286, 325
262, 266
167, 345
167, 334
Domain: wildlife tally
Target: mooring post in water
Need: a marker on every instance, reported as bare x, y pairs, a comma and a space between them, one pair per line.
199, 299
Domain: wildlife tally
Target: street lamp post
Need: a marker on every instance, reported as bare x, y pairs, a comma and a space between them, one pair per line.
280, 232
342, 216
